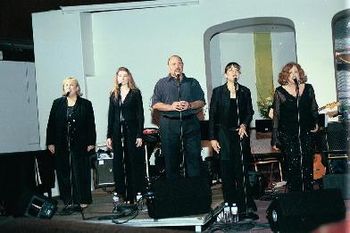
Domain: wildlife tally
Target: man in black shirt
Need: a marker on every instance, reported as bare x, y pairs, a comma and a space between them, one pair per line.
178, 99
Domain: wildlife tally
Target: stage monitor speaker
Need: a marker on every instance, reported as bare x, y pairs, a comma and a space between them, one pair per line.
305, 211
180, 197
36, 205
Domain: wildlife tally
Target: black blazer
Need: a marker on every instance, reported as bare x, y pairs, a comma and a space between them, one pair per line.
219, 108
83, 126
132, 113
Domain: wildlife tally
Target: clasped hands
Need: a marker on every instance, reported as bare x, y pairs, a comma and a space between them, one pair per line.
180, 106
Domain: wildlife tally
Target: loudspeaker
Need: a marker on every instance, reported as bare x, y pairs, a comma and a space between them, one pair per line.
104, 169
338, 181
336, 137
304, 211
180, 197
36, 205
263, 125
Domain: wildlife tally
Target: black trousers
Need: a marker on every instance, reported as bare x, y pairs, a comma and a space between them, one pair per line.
174, 133
235, 181
73, 171
128, 167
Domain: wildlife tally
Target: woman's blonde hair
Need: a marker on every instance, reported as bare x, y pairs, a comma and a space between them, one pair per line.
131, 82
75, 81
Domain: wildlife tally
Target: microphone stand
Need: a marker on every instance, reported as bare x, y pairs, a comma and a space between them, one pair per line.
182, 164
244, 181
299, 134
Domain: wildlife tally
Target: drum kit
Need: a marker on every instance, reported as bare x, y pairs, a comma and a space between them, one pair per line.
154, 160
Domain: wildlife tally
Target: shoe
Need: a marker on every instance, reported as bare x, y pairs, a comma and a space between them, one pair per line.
67, 210
83, 206
250, 216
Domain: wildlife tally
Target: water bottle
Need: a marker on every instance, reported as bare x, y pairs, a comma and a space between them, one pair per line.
115, 201
227, 213
234, 211
138, 197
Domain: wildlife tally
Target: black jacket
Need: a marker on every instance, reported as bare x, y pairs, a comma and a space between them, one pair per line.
132, 113
219, 108
83, 126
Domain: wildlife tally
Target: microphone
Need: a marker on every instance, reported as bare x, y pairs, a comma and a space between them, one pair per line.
296, 81
67, 94
119, 85
178, 79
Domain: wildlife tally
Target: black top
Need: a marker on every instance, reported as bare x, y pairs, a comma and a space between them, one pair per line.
286, 119
233, 123
168, 90
131, 111
220, 112
81, 121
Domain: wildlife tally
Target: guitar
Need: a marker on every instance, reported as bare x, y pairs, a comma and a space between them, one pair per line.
329, 105
319, 168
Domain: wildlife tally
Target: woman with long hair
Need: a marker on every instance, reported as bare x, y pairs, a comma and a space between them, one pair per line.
124, 135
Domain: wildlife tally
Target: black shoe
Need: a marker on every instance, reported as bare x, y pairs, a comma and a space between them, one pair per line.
67, 210
250, 216
76, 208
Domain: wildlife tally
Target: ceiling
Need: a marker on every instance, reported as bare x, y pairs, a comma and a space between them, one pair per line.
16, 34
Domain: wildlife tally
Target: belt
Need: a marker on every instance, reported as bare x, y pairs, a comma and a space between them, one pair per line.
187, 117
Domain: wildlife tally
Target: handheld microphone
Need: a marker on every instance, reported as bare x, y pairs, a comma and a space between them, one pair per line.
67, 94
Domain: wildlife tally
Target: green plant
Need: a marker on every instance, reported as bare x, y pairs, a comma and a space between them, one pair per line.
264, 106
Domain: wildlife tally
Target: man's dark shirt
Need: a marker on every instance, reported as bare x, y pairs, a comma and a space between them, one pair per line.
169, 90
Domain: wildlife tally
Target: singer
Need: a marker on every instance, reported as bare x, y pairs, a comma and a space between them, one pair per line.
295, 118
179, 98
230, 114
71, 137
124, 136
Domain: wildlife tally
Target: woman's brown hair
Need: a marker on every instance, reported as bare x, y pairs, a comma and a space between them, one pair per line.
284, 74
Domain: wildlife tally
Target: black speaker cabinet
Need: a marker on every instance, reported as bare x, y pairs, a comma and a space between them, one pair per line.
263, 125
180, 197
304, 211
35, 205
41, 207
104, 169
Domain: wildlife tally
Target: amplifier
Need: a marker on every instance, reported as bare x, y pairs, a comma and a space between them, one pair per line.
104, 169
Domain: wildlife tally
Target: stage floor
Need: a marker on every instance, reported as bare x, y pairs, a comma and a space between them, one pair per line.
101, 209
97, 218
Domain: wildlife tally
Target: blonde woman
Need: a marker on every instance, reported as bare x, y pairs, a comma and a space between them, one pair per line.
71, 136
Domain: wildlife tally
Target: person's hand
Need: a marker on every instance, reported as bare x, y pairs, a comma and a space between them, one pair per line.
275, 148
90, 147
185, 105
138, 142
315, 129
176, 106
242, 131
109, 143
51, 148
216, 146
